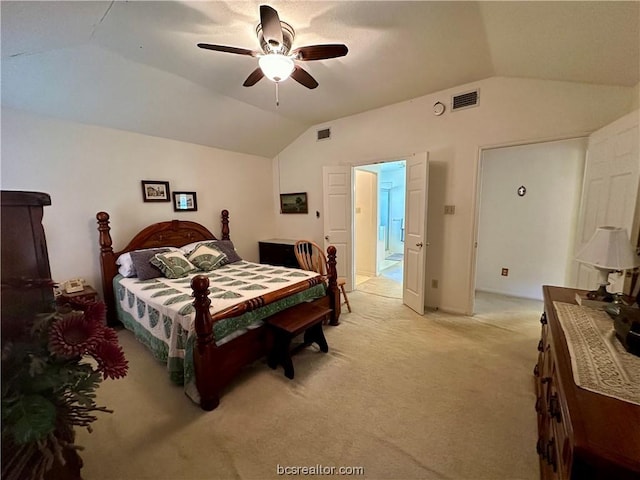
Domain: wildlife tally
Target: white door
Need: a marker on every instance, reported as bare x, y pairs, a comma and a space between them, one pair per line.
415, 232
610, 189
337, 218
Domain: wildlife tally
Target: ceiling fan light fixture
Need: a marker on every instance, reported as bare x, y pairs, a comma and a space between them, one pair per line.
276, 67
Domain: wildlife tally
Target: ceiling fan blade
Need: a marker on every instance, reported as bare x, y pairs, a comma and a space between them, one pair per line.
223, 48
320, 52
271, 28
301, 76
253, 78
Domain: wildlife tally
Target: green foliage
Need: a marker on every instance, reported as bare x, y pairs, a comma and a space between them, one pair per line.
28, 418
43, 391
35, 384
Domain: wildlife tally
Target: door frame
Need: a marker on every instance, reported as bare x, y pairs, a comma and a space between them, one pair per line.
354, 165
476, 205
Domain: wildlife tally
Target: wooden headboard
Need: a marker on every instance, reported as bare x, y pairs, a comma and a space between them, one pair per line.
174, 233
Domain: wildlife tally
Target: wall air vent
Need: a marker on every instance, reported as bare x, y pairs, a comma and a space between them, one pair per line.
465, 100
324, 134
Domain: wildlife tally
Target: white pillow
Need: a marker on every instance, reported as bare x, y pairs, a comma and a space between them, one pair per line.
126, 268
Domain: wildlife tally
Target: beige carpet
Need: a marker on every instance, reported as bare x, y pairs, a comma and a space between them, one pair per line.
401, 395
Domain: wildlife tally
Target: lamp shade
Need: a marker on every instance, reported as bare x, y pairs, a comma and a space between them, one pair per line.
276, 67
609, 248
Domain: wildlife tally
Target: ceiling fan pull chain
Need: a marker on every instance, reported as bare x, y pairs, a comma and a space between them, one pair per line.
277, 97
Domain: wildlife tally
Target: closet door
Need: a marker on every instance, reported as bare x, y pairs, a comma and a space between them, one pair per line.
610, 190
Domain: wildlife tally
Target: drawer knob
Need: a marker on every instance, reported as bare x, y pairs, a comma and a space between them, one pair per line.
543, 318
540, 447
536, 370
554, 407
540, 346
551, 454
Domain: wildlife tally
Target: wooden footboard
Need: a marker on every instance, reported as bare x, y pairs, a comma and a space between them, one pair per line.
214, 367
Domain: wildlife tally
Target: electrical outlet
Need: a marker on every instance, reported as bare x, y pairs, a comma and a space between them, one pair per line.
505, 272
449, 209
434, 283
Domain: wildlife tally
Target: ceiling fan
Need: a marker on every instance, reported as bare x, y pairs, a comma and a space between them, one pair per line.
277, 60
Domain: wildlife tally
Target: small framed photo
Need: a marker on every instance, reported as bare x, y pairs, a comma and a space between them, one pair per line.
185, 202
294, 203
155, 191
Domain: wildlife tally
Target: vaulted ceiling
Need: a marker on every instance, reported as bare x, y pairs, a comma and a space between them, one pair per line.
135, 65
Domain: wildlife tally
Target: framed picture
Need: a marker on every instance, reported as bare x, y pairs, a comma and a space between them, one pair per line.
155, 191
185, 202
294, 203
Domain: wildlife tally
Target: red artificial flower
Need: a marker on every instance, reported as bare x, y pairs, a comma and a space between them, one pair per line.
96, 312
108, 334
110, 358
72, 335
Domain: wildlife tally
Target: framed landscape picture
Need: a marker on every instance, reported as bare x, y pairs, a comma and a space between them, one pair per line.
294, 203
155, 191
185, 202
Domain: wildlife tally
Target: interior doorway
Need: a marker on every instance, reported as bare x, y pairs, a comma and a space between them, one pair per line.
529, 198
379, 218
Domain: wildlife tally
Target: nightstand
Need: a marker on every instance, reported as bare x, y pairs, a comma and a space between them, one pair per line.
87, 295
278, 251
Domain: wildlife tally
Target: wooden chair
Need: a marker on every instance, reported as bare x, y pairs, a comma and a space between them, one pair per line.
311, 257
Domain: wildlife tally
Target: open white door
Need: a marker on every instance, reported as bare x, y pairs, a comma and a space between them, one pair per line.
415, 232
610, 189
337, 201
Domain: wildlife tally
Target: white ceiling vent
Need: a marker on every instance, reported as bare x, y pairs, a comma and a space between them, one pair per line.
324, 134
465, 100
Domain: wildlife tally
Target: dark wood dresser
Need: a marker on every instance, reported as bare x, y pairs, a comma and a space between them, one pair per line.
278, 251
581, 434
24, 257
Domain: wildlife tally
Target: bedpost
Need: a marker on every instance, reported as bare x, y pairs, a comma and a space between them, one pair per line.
204, 352
334, 291
225, 225
108, 263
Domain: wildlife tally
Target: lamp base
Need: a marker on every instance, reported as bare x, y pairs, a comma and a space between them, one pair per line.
584, 300
601, 295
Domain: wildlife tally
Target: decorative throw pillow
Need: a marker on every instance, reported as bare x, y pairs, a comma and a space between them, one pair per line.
141, 266
226, 247
207, 257
172, 264
187, 249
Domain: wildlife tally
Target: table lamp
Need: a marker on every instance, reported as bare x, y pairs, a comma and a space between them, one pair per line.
609, 250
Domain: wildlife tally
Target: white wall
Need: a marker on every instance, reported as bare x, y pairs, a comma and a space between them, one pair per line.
366, 184
510, 111
87, 169
533, 235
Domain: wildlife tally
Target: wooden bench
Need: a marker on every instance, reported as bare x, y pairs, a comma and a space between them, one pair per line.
305, 317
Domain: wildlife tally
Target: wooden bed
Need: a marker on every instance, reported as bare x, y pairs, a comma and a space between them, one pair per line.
215, 366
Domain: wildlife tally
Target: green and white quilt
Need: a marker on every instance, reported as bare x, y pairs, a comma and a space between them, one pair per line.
160, 312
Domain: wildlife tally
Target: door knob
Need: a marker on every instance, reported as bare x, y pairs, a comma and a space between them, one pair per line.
419, 244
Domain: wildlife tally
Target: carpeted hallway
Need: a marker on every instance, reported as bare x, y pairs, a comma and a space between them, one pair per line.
401, 395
